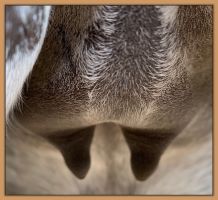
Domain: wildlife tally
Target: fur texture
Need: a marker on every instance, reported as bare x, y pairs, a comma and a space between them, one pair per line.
144, 71
25, 32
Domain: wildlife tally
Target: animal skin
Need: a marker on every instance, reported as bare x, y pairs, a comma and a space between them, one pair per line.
109, 100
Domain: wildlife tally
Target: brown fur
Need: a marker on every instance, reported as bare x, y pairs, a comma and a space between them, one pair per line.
152, 88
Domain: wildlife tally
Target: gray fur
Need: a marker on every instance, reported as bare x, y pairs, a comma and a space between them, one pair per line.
144, 68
